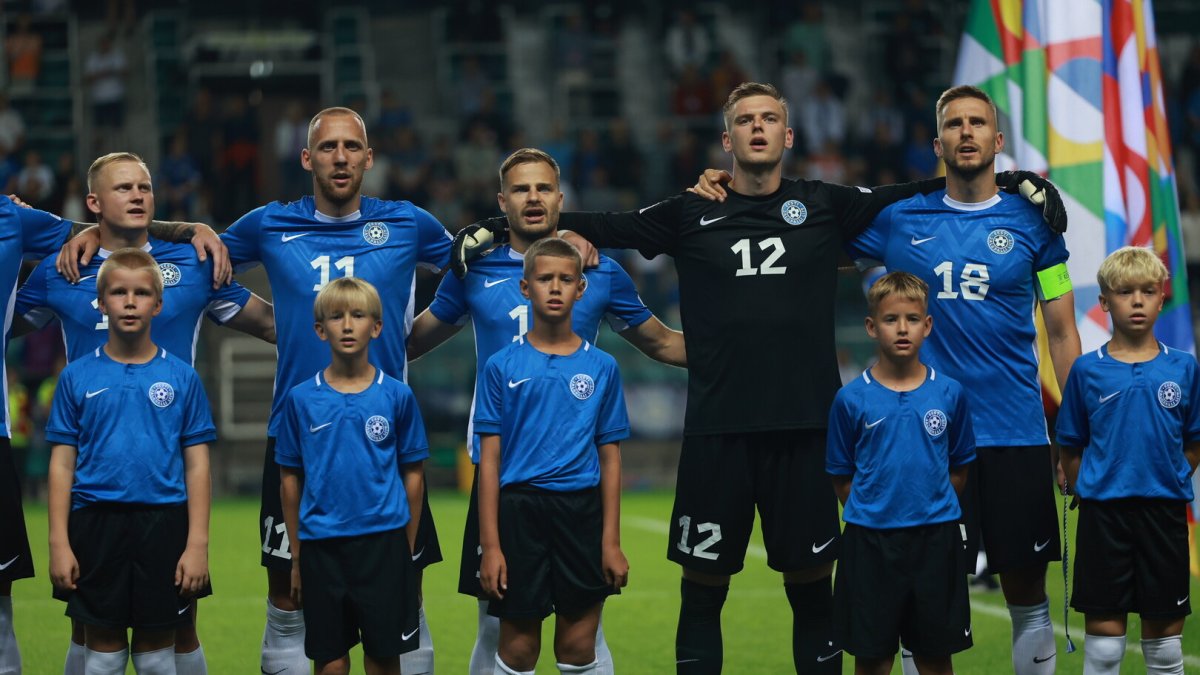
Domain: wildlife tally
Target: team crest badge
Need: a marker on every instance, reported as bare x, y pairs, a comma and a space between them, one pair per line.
794, 212
378, 428
161, 394
1000, 241
170, 274
1169, 395
582, 386
376, 232
935, 422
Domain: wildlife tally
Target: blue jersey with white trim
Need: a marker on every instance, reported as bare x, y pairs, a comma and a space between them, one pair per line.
129, 423
551, 413
980, 261
383, 242
899, 447
187, 296
1132, 421
25, 234
490, 297
350, 448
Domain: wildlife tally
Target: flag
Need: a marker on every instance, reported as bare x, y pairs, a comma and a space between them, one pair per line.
1078, 86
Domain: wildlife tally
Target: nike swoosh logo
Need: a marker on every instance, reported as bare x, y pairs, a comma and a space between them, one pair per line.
1037, 660
686, 661
872, 425
406, 636
10, 562
83, 279
823, 659
418, 554
1037, 548
288, 237
1177, 602
316, 429
967, 632
709, 221
1106, 398
514, 385
267, 672
90, 394
918, 242
180, 612
492, 282
818, 549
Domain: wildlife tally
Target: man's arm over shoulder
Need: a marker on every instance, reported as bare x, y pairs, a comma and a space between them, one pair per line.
856, 207
256, 319
655, 339
428, 332
652, 229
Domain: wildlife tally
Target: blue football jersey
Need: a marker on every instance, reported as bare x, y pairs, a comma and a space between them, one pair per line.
302, 250
899, 446
551, 413
129, 423
490, 297
25, 234
187, 296
351, 447
980, 261
1132, 421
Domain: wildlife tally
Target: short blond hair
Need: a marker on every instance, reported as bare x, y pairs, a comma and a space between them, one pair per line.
746, 90
1129, 266
528, 156
907, 286
555, 248
133, 259
111, 158
346, 293
331, 112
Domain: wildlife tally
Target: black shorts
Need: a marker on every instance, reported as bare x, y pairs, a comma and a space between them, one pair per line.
906, 585
272, 531
359, 586
551, 543
16, 561
1132, 556
1010, 496
127, 555
723, 477
472, 553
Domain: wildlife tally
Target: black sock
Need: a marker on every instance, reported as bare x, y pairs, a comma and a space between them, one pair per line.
698, 649
813, 650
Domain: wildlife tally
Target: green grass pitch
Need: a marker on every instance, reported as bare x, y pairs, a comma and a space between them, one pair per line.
640, 623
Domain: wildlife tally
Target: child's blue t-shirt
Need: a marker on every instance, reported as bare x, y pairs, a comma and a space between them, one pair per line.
1132, 421
350, 448
899, 447
551, 413
129, 424
490, 297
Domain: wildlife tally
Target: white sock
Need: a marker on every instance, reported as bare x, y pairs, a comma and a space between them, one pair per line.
105, 663
503, 669
420, 660
1033, 648
603, 662
157, 662
1102, 654
75, 658
191, 663
1164, 656
283, 642
10, 653
487, 642
567, 668
908, 665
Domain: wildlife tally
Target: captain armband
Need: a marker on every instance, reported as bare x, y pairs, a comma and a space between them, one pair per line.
1053, 282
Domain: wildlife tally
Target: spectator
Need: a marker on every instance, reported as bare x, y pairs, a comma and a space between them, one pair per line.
472, 83
623, 162
239, 160
687, 43
291, 136
12, 127
798, 78
692, 96
808, 35
822, 118
394, 114
203, 133
179, 180
588, 158
64, 169
562, 148
475, 165
23, 49
727, 75
572, 49
105, 72
35, 181
919, 163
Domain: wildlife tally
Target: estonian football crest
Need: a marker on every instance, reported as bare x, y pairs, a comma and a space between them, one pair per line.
377, 428
935, 422
170, 274
161, 394
794, 212
582, 386
1000, 241
375, 232
1169, 395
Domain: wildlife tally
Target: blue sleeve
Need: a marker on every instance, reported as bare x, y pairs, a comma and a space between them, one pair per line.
489, 405
1052, 252
63, 426
871, 243
243, 239
1071, 428
1191, 431
42, 234
198, 424
962, 433
434, 240
287, 440
625, 307
840, 439
450, 303
232, 293
411, 443
612, 422
33, 294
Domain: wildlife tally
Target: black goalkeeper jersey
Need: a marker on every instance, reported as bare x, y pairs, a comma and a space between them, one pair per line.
757, 282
